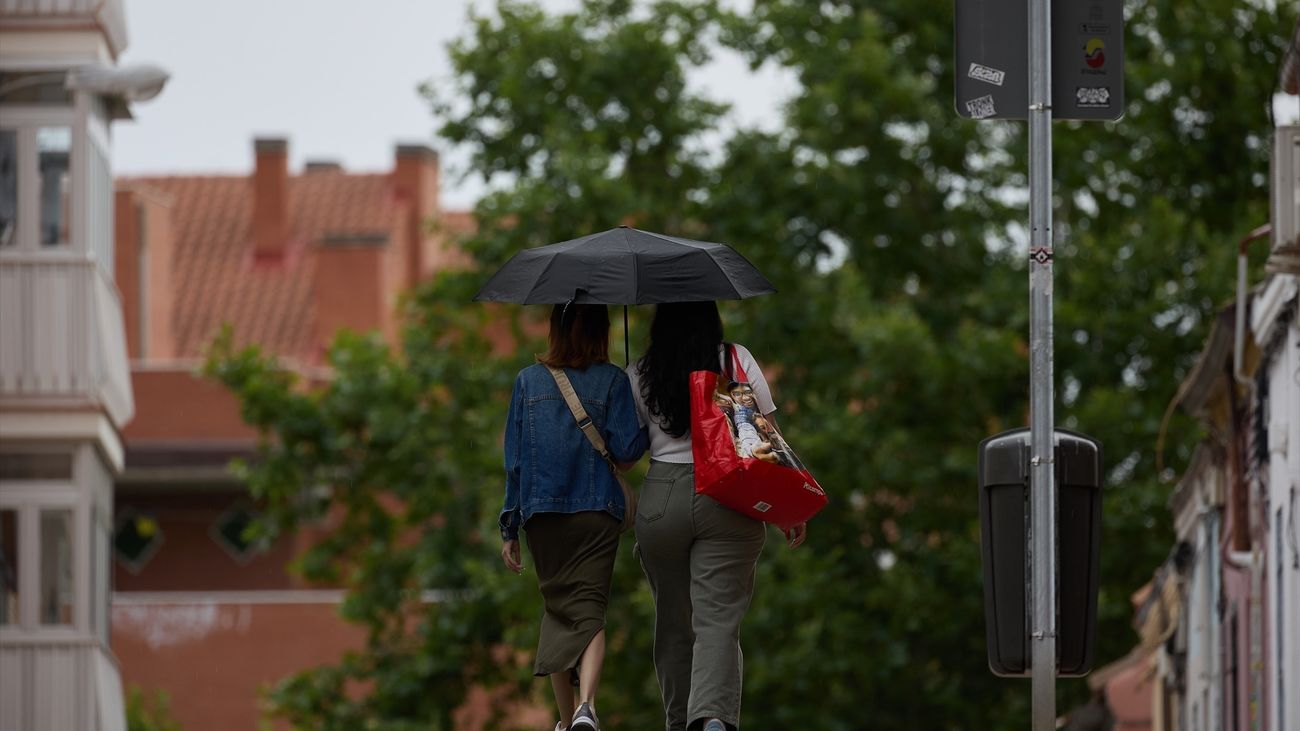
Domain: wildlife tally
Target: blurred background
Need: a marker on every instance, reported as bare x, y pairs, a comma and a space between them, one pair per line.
250, 468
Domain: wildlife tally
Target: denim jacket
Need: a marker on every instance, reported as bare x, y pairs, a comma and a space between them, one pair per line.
550, 465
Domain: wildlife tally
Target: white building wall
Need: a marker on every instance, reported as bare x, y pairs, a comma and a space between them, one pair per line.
1197, 522
65, 386
1275, 324
1284, 528
1199, 620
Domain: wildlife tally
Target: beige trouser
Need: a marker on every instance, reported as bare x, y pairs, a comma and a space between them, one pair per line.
699, 557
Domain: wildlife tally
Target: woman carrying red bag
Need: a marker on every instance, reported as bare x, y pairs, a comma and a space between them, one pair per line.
698, 555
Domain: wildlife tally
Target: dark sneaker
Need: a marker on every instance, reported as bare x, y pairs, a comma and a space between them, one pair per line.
714, 724
584, 719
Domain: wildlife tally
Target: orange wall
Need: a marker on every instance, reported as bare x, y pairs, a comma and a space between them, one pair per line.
176, 405
189, 558
213, 659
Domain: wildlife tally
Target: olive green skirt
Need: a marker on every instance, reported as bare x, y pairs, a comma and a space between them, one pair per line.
573, 554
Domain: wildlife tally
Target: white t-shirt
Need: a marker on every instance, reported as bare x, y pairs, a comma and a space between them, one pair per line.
666, 448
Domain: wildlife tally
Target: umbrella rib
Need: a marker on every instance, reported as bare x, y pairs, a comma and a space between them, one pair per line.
636, 269
725, 277
550, 261
721, 271
674, 240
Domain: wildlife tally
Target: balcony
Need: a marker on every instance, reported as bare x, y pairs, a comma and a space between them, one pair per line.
62, 344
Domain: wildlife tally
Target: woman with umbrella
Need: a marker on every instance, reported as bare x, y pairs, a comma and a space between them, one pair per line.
698, 555
568, 502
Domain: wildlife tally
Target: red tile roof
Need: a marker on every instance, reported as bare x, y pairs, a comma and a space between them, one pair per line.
457, 223
215, 278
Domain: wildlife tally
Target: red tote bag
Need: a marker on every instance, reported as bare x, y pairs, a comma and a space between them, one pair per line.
741, 460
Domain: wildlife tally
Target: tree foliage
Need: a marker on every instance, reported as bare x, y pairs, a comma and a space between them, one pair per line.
149, 711
894, 233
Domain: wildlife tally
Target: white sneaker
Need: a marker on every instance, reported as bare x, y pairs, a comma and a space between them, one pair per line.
584, 719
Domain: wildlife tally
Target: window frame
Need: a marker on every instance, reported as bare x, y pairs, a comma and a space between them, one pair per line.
134, 567
13, 533
26, 121
29, 498
241, 558
46, 559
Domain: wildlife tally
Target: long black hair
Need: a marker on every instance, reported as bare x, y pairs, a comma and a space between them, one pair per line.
684, 337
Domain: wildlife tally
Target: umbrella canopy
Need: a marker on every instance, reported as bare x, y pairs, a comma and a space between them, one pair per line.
625, 266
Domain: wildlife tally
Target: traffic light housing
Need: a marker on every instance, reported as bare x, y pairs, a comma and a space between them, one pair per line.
1004, 520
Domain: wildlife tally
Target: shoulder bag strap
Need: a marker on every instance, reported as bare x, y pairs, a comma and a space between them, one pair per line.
735, 371
589, 429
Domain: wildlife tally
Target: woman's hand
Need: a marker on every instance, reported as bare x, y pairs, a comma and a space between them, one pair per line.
796, 535
764, 452
510, 556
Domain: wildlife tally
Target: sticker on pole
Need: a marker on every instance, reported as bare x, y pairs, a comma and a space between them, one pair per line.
988, 74
991, 58
981, 108
1092, 97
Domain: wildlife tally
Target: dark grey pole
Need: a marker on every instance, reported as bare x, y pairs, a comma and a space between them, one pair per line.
1042, 490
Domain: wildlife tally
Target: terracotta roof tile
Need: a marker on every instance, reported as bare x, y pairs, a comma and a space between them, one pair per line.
215, 277
457, 223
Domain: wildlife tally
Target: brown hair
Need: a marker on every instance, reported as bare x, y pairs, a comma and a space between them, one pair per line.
579, 336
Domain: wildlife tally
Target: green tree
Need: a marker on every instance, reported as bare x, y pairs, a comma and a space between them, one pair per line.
893, 231
149, 712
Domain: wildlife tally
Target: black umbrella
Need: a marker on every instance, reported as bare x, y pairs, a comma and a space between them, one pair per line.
625, 266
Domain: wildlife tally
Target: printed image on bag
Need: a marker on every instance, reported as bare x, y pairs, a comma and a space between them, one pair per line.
754, 435
741, 460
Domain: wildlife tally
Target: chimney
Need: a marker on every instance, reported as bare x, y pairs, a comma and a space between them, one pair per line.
143, 264
322, 166
415, 179
270, 197
350, 286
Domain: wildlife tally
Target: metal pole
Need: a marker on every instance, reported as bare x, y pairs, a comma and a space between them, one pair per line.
1042, 491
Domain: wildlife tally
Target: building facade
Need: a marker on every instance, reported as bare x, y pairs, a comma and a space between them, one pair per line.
1220, 620
65, 388
284, 259
1231, 657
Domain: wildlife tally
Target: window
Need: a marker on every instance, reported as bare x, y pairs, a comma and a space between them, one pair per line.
101, 564
36, 466
230, 531
137, 538
34, 87
8, 567
1233, 688
1279, 634
54, 157
8, 187
56, 591
37, 196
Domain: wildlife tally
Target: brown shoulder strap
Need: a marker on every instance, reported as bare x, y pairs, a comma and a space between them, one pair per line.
585, 423
588, 428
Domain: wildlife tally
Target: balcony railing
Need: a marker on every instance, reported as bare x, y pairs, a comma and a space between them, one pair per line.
62, 342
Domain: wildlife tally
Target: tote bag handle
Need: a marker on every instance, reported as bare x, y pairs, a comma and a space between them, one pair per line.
733, 368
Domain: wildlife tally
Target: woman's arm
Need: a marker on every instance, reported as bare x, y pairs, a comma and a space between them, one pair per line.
510, 510
626, 439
